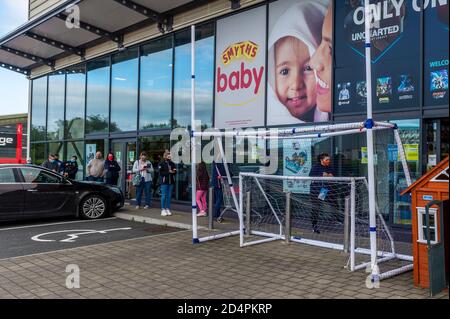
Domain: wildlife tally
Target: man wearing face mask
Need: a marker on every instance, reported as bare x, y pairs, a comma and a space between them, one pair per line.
51, 163
71, 168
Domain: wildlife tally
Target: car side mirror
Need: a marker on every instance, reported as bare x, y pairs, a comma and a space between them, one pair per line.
65, 181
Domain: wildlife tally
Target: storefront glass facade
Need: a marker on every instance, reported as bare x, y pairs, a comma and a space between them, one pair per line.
140, 94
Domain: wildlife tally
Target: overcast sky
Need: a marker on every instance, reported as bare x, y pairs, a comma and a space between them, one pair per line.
13, 86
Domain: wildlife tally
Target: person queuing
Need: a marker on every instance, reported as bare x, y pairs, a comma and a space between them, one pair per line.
59, 164
218, 172
144, 168
202, 188
112, 169
70, 169
51, 163
95, 168
167, 173
321, 191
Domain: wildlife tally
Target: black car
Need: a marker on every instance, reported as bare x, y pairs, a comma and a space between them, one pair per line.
28, 191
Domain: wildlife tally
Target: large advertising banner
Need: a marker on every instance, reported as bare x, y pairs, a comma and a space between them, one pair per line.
436, 55
298, 61
395, 55
297, 162
240, 70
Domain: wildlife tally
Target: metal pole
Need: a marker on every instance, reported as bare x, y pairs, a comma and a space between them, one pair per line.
287, 231
240, 210
210, 207
346, 224
370, 145
352, 225
248, 211
193, 142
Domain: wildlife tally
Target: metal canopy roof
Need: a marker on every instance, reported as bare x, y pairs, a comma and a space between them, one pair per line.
46, 39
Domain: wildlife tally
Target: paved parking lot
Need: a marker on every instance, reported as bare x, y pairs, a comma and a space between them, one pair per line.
46, 237
168, 265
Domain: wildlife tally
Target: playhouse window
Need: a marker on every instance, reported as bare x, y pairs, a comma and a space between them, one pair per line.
422, 222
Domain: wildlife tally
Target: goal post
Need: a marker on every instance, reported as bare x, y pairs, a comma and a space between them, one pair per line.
358, 221
277, 214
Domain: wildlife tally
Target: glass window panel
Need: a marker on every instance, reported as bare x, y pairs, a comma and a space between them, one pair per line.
37, 153
156, 85
444, 137
94, 146
432, 234
424, 219
409, 131
7, 176
124, 92
75, 102
55, 120
39, 109
204, 58
57, 148
77, 149
97, 116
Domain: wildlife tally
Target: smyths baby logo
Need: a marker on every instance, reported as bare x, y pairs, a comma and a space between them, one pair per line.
239, 74
247, 49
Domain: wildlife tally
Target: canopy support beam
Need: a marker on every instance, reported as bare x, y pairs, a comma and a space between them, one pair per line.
165, 22
14, 68
55, 44
28, 56
94, 29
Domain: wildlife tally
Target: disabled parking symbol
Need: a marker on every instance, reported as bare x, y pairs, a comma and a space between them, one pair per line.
72, 235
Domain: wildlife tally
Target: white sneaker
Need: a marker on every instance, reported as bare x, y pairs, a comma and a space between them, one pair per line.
163, 212
146, 207
137, 207
168, 212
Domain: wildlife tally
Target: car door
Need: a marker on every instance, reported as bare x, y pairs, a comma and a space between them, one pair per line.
46, 193
12, 196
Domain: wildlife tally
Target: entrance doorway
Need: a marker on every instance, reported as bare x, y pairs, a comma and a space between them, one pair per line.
155, 146
436, 143
125, 153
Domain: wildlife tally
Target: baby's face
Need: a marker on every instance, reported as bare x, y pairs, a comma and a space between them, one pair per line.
295, 82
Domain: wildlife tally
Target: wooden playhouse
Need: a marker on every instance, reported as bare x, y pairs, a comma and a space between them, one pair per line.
432, 186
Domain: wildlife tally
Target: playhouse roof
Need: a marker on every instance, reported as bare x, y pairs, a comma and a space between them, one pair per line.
435, 172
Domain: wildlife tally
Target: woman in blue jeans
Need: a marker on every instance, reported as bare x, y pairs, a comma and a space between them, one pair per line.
144, 168
167, 173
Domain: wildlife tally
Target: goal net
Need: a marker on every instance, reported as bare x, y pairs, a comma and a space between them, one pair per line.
330, 211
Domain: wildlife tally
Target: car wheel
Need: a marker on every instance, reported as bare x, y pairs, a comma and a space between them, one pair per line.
93, 207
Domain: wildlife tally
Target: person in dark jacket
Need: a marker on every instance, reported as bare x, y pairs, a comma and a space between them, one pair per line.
167, 171
202, 188
218, 173
112, 169
71, 168
51, 164
60, 164
320, 191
